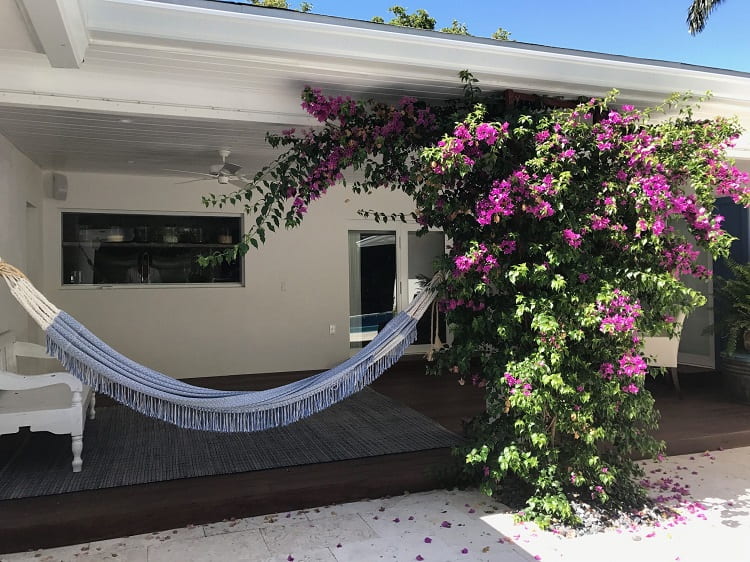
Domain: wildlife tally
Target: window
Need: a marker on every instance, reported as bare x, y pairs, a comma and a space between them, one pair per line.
143, 249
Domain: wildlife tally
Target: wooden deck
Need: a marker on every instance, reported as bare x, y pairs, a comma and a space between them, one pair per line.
703, 419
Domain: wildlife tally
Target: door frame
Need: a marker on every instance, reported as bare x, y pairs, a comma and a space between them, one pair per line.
402, 230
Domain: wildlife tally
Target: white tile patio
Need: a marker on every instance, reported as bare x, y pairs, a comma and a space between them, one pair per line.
460, 526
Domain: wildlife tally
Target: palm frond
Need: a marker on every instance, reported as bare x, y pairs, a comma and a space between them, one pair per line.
698, 14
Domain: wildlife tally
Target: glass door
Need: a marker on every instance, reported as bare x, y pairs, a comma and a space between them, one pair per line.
697, 347
696, 343
372, 284
387, 269
422, 251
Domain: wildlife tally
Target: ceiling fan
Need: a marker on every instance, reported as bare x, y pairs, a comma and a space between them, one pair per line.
224, 173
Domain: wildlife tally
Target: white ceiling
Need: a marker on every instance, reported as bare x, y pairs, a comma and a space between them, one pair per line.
16, 34
146, 144
193, 79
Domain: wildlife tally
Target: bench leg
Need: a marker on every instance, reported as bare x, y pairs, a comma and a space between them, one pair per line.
92, 405
676, 381
77, 446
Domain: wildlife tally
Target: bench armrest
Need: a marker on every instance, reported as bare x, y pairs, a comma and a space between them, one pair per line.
31, 350
12, 381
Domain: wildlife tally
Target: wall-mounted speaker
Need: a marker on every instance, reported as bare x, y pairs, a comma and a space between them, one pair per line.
59, 186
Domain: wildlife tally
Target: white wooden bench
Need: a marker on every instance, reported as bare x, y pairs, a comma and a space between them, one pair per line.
54, 402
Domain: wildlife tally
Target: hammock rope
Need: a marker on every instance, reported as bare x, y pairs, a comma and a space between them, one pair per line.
160, 396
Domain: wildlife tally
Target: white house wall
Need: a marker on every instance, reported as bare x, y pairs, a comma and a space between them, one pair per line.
20, 208
213, 330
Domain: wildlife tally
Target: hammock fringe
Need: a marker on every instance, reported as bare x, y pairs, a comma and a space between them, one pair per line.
192, 417
159, 396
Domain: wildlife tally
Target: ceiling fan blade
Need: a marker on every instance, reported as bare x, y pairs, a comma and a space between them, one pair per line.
189, 172
230, 169
191, 181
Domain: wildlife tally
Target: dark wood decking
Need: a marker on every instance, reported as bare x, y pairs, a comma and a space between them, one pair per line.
702, 419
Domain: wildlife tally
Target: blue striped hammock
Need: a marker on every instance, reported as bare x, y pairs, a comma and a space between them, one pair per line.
160, 396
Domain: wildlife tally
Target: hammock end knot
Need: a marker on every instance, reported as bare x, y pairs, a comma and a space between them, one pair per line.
9, 272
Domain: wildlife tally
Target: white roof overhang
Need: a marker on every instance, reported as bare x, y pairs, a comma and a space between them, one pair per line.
199, 61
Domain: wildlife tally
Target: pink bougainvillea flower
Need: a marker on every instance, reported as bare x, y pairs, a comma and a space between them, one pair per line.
630, 389
572, 238
419, 557
464, 551
290, 558
397, 520
446, 524
487, 133
428, 540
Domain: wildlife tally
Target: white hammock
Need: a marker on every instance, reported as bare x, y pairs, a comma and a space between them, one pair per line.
160, 396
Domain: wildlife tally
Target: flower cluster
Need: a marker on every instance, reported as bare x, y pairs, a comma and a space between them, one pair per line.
354, 136
632, 364
482, 259
729, 180
447, 305
468, 142
571, 238
519, 192
618, 313
517, 385
630, 370
682, 260
324, 108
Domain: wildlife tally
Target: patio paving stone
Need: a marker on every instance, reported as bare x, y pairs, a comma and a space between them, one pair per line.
715, 525
245, 546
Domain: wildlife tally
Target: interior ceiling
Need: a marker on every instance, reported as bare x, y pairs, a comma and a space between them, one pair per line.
106, 142
14, 33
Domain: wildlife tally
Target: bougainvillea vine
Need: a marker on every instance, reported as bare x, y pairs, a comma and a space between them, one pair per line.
572, 233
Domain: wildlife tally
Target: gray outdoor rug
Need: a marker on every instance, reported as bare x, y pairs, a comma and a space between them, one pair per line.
122, 448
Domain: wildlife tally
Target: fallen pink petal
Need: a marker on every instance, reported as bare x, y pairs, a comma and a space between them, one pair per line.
419, 557
446, 524
428, 540
464, 551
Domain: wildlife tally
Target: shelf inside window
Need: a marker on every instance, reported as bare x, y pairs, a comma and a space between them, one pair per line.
147, 249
